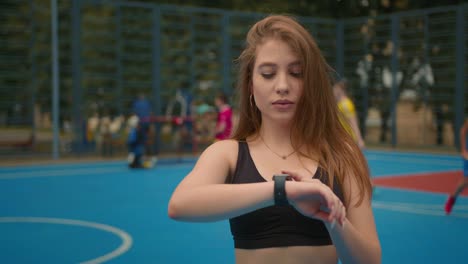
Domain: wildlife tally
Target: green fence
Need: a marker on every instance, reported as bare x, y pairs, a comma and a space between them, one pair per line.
407, 70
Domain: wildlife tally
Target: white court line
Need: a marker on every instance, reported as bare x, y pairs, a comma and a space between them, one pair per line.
419, 173
412, 154
416, 160
77, 172
423, 206
125, 237
413, 209
54, 173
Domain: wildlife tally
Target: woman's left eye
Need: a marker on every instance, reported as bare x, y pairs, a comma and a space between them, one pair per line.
296, 74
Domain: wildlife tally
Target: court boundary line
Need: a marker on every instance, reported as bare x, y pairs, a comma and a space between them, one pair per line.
126, 244
412, 153
57, 173
411, 190
409, 208
422, 205
418, 160
70, 172
423, 173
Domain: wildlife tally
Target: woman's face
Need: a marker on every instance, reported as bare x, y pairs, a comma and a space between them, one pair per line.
277, 80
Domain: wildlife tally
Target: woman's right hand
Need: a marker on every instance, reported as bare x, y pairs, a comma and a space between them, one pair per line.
314, 199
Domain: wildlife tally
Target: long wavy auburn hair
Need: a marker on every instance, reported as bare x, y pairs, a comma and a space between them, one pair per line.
316, 126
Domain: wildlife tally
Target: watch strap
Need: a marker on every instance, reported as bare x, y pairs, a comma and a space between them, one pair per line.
280, 190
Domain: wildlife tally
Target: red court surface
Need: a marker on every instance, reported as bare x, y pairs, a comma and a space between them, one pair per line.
438, 182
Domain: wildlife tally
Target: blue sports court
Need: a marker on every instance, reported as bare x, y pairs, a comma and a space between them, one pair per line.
103, 212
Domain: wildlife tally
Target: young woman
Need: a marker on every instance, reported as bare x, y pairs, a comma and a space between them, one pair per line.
317, 207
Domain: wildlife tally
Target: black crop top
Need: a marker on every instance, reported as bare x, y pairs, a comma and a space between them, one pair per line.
274, 226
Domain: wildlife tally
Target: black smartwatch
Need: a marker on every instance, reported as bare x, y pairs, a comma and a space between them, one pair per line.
279, 190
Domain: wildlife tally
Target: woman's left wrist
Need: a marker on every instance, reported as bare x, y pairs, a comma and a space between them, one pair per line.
336, 224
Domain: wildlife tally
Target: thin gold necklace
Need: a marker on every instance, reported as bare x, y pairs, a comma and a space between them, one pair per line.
281, 156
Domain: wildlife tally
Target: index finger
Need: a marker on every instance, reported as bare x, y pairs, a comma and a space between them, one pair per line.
292, 174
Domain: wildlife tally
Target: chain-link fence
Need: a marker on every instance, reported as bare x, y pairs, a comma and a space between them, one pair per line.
406, 71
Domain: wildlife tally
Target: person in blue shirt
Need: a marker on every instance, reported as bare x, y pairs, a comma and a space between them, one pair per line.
142, 108
136, 143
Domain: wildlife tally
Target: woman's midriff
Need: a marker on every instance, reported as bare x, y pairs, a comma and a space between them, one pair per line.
289, 255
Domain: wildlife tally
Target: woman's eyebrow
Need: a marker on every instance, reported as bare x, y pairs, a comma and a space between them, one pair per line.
271, 64
266, 64
295, 63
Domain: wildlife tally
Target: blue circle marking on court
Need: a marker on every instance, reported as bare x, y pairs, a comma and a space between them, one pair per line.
126, 239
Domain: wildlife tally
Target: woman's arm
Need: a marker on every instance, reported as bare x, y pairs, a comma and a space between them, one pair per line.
355, 237
357, 240
203, 196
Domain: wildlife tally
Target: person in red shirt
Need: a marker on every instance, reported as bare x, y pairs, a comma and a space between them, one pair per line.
224, 120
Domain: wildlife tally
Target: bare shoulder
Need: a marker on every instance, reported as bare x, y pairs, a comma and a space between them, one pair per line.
224, 147
214, 165
225, 150
227, 143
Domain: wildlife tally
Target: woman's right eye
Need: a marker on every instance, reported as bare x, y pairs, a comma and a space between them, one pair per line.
267, 75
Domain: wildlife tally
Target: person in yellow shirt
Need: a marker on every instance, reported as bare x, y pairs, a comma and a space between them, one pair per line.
346, 106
